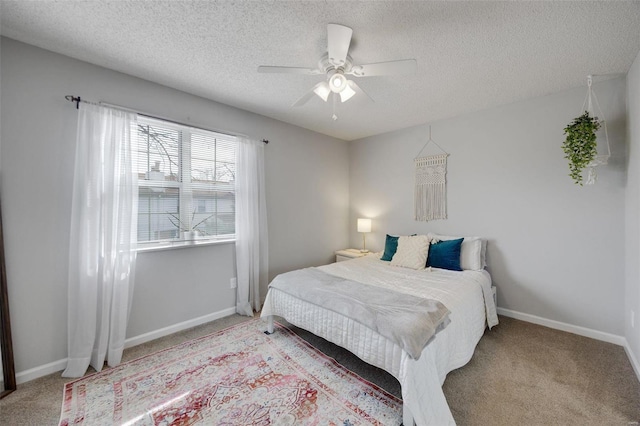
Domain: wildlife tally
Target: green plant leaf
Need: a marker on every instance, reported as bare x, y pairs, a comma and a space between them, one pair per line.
580, 146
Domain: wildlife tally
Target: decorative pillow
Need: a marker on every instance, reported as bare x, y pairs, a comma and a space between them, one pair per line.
412, 252
445, 255
390, 247
472, 252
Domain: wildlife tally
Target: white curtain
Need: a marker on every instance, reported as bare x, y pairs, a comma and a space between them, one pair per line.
103, 237
252, 251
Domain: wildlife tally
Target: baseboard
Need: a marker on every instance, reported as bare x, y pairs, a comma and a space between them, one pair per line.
632, 359
156, 334
581, 331
52, 367
40, 371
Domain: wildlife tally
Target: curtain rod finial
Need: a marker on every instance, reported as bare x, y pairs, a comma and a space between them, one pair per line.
75, 99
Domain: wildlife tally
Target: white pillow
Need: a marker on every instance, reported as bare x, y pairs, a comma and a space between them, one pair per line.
412, 252
472, 251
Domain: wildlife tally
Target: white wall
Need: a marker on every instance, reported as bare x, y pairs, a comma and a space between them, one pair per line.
632, 219
556, 250
306, 182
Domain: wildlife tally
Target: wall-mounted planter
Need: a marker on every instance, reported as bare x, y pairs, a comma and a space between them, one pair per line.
587, 143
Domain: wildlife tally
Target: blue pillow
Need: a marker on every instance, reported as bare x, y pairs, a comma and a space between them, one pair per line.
445, 255
390, 247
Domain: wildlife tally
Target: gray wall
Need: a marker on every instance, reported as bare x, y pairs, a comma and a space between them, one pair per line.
556, 250
306, 183
632, 232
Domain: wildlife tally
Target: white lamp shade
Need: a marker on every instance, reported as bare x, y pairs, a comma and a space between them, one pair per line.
364, 225
322, 90
347, 93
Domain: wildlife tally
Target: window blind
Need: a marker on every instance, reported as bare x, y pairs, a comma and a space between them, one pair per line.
186, 182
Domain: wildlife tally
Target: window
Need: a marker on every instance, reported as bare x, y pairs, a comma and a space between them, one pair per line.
185, 182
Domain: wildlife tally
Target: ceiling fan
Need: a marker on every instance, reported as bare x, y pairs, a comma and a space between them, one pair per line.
336, 65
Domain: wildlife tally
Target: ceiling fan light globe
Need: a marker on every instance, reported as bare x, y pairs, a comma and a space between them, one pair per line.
337, 82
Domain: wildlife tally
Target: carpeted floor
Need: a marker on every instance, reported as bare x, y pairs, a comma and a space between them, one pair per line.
520, 373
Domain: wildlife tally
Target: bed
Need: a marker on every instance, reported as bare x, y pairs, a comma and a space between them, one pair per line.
466, 294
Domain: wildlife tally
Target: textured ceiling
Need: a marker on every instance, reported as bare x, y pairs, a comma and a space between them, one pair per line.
470, 55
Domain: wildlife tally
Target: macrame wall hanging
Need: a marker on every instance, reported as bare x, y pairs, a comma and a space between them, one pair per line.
430, 197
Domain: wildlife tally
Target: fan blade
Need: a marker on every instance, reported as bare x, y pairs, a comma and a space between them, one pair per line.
405, 66
358, 91
338, 41
319, 89
289, 70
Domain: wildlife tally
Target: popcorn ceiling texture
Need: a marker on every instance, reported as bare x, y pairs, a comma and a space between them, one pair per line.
471, 55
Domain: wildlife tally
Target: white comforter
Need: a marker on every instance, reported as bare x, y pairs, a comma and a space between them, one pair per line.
466, 294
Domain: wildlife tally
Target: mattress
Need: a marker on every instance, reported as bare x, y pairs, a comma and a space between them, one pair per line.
467, 295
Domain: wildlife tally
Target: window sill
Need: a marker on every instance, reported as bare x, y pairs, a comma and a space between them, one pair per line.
173, 245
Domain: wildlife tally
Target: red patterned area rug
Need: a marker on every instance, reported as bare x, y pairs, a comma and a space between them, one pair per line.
237, 376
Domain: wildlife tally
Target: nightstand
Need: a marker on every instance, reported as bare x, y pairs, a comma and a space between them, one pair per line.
347, 254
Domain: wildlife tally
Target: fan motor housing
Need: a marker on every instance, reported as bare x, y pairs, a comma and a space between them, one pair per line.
325, 64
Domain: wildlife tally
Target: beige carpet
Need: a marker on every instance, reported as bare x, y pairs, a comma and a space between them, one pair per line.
525, 374
520, 374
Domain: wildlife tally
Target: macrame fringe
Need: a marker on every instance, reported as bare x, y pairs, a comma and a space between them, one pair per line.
431, 202
430, 198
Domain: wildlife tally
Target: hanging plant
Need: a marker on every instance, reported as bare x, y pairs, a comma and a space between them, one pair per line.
580, 147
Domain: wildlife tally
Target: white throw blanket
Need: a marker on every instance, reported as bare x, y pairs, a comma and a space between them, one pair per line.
408, 321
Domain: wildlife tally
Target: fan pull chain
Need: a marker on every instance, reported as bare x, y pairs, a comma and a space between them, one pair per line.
335, 98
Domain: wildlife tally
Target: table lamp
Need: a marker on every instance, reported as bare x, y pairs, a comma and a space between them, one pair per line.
364, 226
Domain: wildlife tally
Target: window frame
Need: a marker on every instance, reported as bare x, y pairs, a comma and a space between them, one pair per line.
184, 184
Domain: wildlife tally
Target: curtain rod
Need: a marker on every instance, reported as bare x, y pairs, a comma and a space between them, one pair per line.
77, 101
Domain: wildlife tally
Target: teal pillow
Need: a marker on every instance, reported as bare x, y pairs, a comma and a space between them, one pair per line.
390, 247
445, 255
